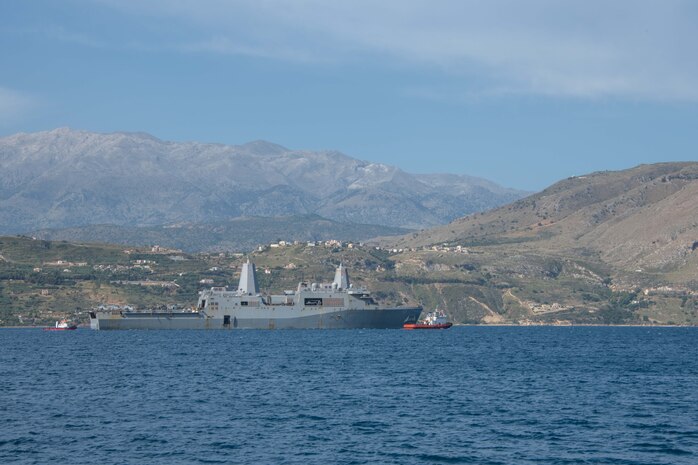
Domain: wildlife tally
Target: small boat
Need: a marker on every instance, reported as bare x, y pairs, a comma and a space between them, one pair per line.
433, 320
62, 325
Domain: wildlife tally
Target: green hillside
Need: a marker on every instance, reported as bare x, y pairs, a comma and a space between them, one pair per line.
42, 281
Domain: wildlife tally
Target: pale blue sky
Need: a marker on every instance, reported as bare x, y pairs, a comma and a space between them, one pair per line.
521, 92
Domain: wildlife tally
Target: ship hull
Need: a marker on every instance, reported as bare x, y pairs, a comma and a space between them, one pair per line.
381, 318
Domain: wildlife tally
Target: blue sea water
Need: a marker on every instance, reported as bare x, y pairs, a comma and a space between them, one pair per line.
483, 395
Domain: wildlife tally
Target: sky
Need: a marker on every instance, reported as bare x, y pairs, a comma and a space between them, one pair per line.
523, 93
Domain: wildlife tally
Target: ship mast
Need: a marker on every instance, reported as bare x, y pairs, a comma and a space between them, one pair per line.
248, 279
341, 278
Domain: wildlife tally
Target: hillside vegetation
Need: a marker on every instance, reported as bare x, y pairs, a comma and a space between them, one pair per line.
607, 248
238, 234
41, 281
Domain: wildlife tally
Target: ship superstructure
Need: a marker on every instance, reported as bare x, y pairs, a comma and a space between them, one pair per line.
312, 305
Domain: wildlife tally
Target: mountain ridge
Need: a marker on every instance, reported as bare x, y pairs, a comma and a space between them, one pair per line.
642, 217
67, 178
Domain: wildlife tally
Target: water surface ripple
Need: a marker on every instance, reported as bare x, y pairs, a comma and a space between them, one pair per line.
483, 395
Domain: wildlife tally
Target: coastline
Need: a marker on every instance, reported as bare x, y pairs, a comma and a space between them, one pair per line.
497, 325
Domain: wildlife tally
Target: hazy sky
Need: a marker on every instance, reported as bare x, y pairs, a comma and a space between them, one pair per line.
521, 92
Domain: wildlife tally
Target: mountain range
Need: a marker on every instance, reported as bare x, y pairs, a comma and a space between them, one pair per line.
616, 247
67, 178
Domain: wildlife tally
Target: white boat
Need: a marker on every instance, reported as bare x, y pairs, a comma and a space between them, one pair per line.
62, 325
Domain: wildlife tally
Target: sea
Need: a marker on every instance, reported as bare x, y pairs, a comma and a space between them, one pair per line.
470, 395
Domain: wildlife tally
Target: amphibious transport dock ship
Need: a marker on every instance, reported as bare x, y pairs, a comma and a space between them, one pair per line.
331, 305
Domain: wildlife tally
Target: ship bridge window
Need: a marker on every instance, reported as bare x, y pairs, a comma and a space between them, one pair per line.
243, 303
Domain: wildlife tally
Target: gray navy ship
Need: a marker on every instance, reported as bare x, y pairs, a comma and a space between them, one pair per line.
334, 305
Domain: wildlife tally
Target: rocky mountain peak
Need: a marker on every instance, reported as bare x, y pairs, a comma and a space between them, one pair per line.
67, 177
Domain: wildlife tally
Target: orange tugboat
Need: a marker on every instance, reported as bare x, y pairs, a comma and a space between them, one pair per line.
63, 325
433, 320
